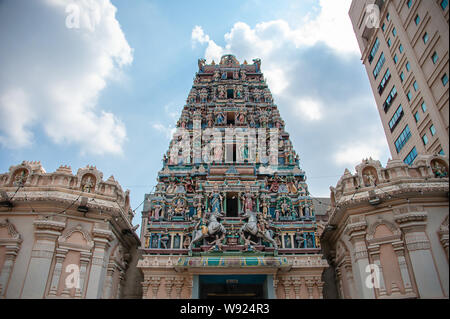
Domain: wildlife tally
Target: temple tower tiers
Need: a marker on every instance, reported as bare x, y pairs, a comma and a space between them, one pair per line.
231, 214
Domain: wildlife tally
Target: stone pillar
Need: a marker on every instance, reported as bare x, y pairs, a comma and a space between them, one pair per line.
179, 283
46, 233
155, 281
376, 260
108, 282
85, 257
356, 230
413, 226
60, 256
297, 285
6, 271
340, 283
145, 285
189, 285
400, 252
287, 287
169, 281
310, 286
102, 238
319, 283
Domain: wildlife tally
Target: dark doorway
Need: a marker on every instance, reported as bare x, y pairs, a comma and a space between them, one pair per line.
230, 118
232, 205
232, 286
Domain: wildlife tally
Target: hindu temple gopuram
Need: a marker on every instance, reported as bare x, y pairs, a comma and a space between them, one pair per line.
231, 214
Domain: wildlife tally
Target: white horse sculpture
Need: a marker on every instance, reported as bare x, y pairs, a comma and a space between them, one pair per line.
213, 227
252, 227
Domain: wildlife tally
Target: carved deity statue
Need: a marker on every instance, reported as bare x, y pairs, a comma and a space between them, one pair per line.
216, 201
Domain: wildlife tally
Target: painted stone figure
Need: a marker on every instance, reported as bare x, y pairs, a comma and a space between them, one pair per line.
216, 202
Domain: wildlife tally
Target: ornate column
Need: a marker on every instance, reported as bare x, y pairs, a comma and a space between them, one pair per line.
13, 244
60, 256
190, 284
108, 281
399, 249
413, 224
443, 235
319, 283
310, 285
46, 232
85, 258
375, 255
179, 283
340, 283
169, 281
145, 285
155, 281
287, 287
356, 230
296, 283
102, 238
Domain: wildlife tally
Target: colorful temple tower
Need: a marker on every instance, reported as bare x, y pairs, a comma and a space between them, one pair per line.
231, 214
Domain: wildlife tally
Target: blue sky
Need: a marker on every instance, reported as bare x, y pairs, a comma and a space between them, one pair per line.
108, 91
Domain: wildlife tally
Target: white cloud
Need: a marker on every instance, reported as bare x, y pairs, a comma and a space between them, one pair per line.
352, 153
52, 77
308, 107
167, 131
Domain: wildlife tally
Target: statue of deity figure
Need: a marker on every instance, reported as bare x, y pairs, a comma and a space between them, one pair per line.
247, 199
88, 184
216, 201
220, 118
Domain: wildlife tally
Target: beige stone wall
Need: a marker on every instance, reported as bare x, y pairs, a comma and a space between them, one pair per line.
399, 223
54, 226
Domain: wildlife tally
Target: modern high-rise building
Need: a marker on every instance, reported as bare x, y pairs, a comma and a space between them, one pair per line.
404, 46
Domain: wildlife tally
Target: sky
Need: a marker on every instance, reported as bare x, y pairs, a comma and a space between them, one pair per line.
103, 82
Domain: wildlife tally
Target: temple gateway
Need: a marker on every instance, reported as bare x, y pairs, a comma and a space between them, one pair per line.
231, 215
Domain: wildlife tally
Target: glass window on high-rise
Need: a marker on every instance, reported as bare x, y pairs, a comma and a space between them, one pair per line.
425, 38
432, 130
409, 95
416, 86
445, 79
395, 59
425, 139
402, 139
417, 116
402, 76
424, 107
434, 57
411, 156
444, 4
408, 66
394, 32
417, 19
409, 3
400, 48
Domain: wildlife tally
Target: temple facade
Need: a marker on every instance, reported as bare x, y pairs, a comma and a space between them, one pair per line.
231, 215
387, 233
65, 235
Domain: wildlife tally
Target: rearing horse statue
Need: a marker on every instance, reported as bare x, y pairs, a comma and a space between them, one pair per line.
213, 227
252, 227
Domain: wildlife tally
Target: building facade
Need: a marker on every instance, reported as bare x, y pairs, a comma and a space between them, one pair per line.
387, 233
65, 235
405, 50
231, 215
